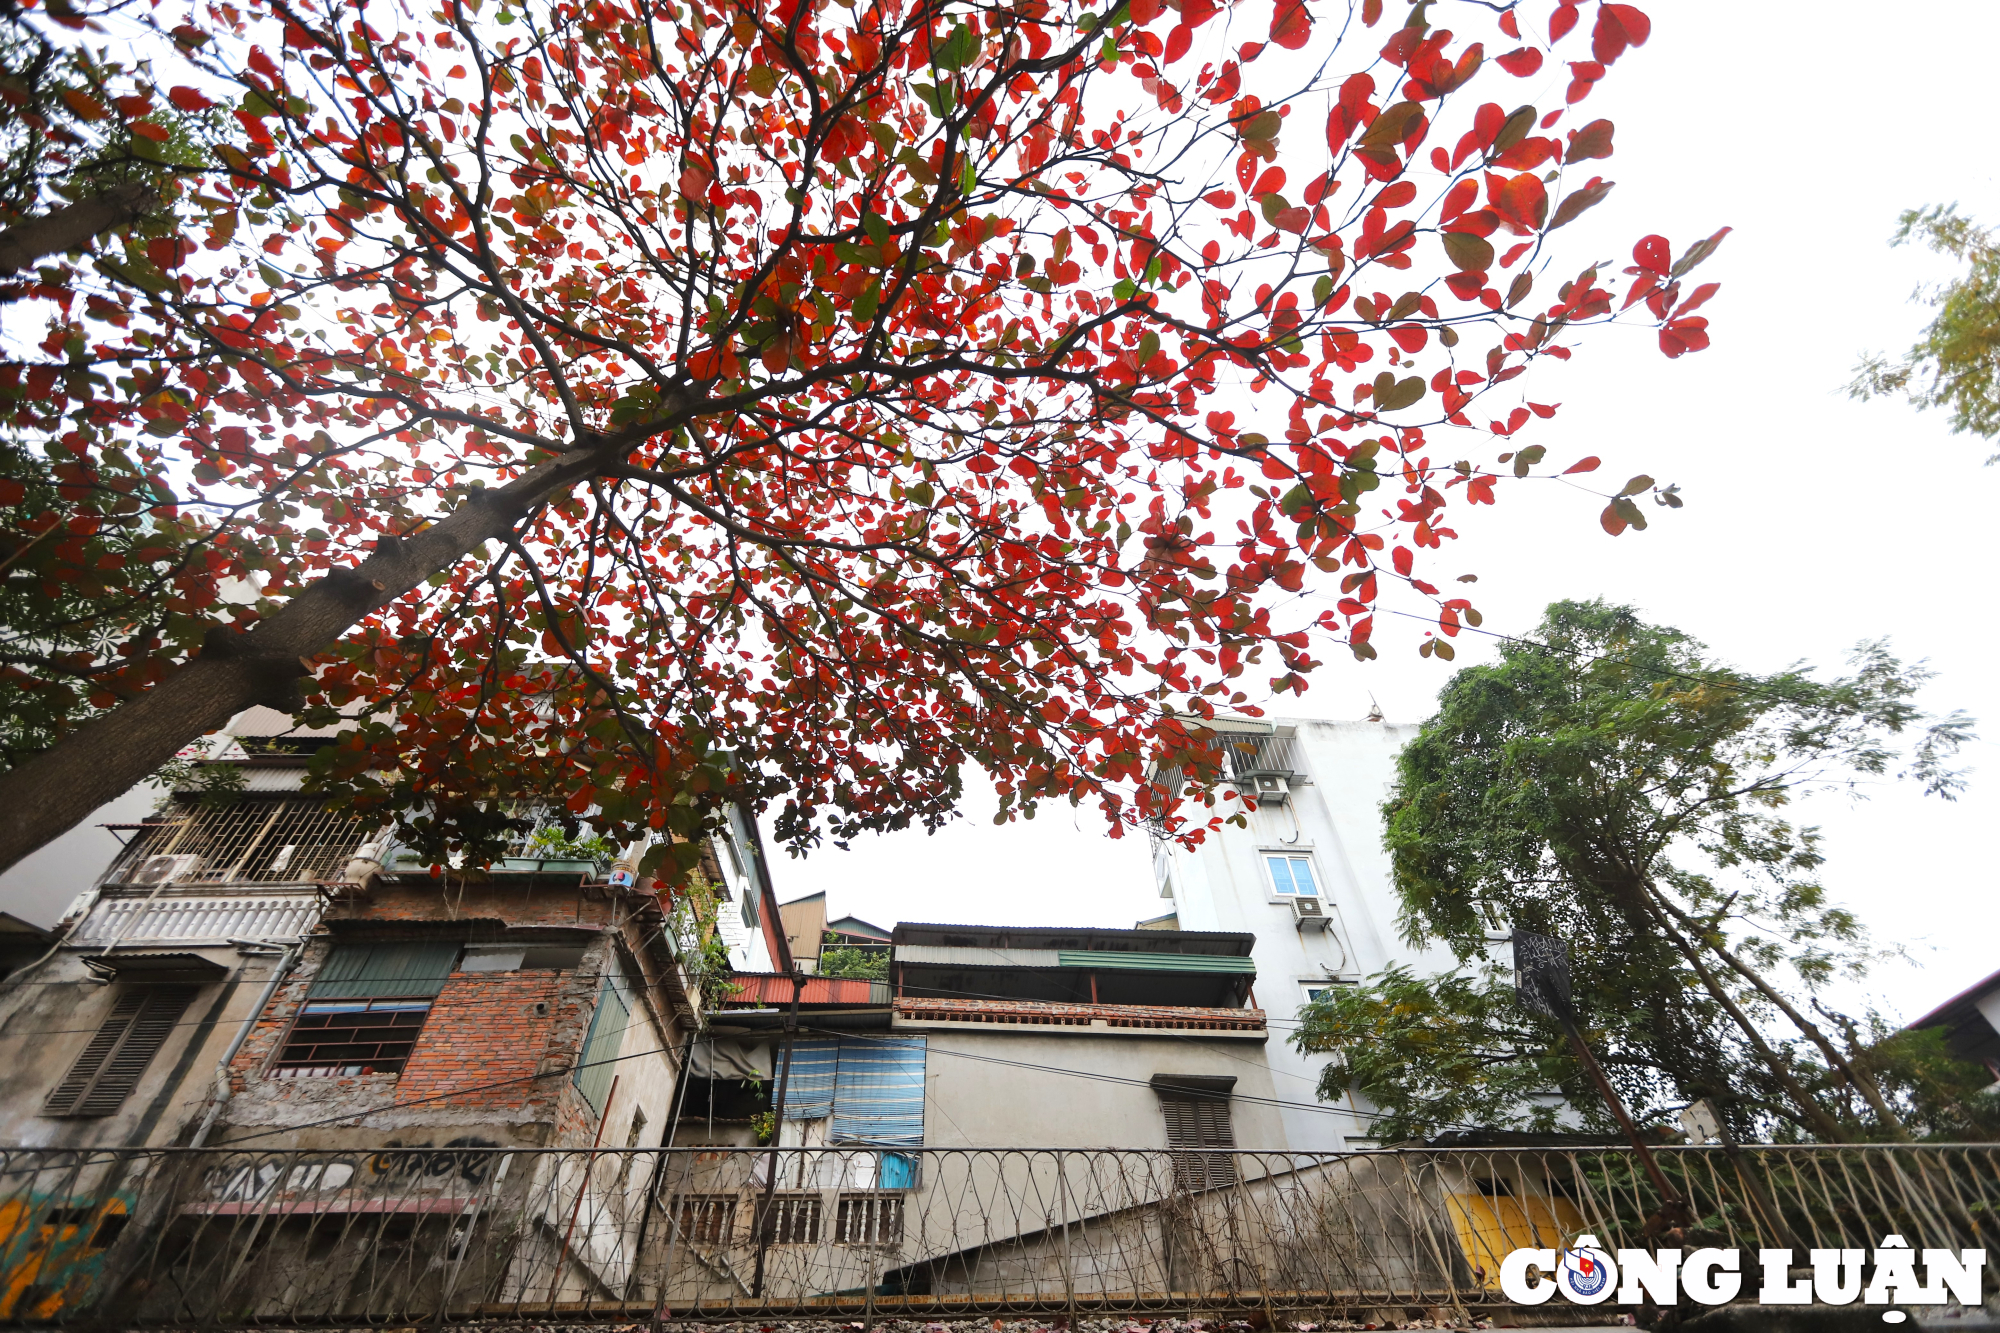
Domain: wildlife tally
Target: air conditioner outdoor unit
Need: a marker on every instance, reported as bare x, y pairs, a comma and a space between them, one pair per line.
1308, 913
165, 869
1272, 789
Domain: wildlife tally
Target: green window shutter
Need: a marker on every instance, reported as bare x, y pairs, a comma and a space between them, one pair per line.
410, 968
607, 1033
119, 1051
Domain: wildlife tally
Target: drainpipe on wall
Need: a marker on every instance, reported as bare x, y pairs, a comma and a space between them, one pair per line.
287, 961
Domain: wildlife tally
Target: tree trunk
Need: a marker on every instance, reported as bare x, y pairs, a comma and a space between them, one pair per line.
1814, 1113
74, 226
1811, 1030
57, 789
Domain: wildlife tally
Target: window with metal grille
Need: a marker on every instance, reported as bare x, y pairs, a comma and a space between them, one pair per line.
790, 1219
282, 840
705, 1219
366, 1008
869, 1219
1200, 1139
118, 1052
336, 1038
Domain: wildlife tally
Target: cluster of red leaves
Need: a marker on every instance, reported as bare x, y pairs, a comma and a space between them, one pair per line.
928, 353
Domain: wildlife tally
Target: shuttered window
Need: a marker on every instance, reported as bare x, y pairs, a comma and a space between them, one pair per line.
595, 1070
1200, 1139
117, 1054
405, 969
366, 1008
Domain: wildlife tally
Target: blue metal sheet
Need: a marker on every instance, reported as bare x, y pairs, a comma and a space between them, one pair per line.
879, 1094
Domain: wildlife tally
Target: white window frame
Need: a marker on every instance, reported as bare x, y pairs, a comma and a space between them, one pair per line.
1271, 889
1308, 985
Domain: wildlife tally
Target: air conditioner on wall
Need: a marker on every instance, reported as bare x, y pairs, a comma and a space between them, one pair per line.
1308, 913
1272, 789
165, 869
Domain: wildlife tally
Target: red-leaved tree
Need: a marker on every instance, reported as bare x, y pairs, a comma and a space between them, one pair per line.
633, 400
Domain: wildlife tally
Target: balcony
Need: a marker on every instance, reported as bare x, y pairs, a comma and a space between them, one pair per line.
1099, 1017
525, 1238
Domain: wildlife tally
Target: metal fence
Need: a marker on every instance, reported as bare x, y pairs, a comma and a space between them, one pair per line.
401, 1237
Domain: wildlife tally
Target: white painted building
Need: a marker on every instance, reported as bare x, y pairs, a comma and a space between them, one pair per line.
1309, 878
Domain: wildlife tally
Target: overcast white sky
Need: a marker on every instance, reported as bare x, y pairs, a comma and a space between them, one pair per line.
1811, 521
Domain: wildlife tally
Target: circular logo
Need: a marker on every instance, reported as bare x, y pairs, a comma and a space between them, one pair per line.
1586, 1274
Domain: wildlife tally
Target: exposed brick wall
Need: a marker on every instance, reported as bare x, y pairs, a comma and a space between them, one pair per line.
483, 1029
518, 905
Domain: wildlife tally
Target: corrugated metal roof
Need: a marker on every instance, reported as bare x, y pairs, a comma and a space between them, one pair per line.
1102, 960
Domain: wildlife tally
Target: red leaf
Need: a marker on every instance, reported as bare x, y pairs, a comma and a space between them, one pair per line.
1403, 559
1700, 298
1457, 199
187, 99
1520, 63
1684, 335
1178, 42
1562, 21
1521, 201
1589, 464
1291, 26
1145, 11
12, 492
1618, 26
1653, 254
1613, 522
1510, 26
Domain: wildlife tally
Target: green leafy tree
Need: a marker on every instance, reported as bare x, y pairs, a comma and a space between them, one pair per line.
1610, 784
1953, 365
848, 961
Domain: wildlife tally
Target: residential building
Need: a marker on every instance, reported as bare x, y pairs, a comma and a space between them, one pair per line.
1971, 1023
114, 1025
261, 969
988, 1053
1306, 876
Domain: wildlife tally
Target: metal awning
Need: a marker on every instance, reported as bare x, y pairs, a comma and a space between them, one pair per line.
157, 967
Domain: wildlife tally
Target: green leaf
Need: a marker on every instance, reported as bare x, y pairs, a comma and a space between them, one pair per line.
1637, 484
763, 80
920, 170
957, 50
1468, 253
1265, 126
1392, 394
866, 304
876, 226
1514, 129
1573, 205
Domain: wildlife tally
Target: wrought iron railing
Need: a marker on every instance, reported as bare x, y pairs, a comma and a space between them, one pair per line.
410, 1236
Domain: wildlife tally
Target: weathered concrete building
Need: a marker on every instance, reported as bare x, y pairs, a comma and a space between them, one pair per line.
264, 970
